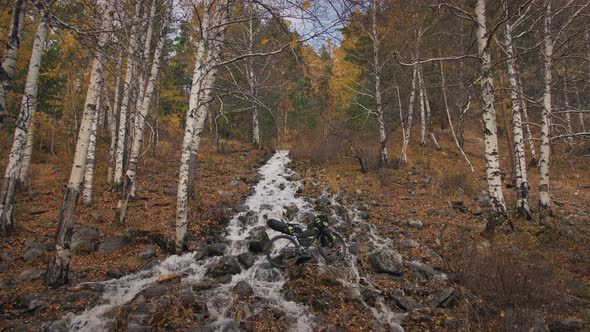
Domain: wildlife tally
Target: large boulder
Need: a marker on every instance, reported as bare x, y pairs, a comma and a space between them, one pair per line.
291, 210
112, 243
30, 275
227, 265
246, 259
35, 252
243, 288
212, 250
444, 298
425, 272
387, 261
258, 240
85, 238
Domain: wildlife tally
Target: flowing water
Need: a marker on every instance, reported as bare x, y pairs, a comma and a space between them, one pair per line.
273, 192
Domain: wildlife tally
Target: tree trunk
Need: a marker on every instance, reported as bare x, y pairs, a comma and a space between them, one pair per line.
126, 102
580, 114
114, 110
422, 109
492, 154
525, 117
90, 158
59, 264
27, 110
199, 75
130, 176
568, 117
544, 199
522, 184
23, 176
10, 56
383, 156
403, 156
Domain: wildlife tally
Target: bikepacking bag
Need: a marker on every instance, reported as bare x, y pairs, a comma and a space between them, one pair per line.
282, 227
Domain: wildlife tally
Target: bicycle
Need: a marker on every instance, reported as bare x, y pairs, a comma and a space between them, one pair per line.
287, 249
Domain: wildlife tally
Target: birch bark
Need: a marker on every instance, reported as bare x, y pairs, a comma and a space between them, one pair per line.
545, 151
10, 56
522, 184
422, 109
492, 160
27, 110
383, 157
90, 158
59, 264
125, 103
113, 112
527, 127
403, 156
140, 121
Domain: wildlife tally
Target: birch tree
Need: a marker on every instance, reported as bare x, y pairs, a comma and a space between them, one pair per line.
27, 110
90, 158
59, 264
406, 139
10, 56
112, 120
492, 153
131, 173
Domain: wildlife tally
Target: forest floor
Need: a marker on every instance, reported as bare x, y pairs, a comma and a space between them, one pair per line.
535, 275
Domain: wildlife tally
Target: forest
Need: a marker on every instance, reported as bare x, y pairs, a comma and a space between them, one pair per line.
425, 162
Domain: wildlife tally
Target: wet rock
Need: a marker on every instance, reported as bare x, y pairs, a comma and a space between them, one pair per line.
246, 259
267, 273
154, 291
243, 288
254, 180
415, 223
147, 253
115, 273
81, 296
226, 279
169, 279
258, 240
30, 275
444, 298
370, 296
265, 206
423, 271
568, 325
6, 256
363, 215
282, 186
357, 248
406, 303
204, 285
410, 243
35, 252
85, 238
291, 210
112, 243
212, 250
227, 265
387, 261
241, 208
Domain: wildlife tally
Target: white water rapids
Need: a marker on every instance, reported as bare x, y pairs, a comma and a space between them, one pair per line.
271, 195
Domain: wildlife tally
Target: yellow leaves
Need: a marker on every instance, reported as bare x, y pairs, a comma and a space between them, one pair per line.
293, 41
306, 4
264, 40
502, 313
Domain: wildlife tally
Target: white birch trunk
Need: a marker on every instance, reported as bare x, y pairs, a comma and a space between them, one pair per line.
580, 115
125, 105
114, 110
568, 116
25, 169
199, 74
27, 109
429, 114
142, 66
403, 156
490, 134
544, 157
383, 156
10, 56
59, 264
422, 109
252, 84
522, 184
90, 158
527, 127
131, 173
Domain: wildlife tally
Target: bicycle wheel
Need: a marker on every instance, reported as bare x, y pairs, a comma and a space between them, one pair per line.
331, 246
283, 251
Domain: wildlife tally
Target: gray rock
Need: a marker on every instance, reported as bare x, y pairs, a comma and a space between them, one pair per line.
254, 180
354, 294
112, 243
227, 265
38, 306
406, 303
154, 291
31, 242
30, 275
81, 296
147, 252
85, 238
410, 243
387, 261
267, 273
265, 207
363, 215
58, 326
441, 212
6, 256
444, 298
357, 248
212, 250
291, 210
423, 271
6, 284
235, 183
241, 208
415, 223
282, 186
258, 240
225, 194
34, 252
568, 325
246, 259
243, 288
